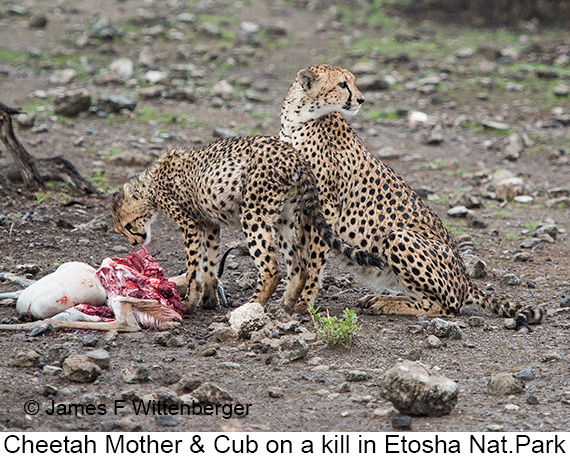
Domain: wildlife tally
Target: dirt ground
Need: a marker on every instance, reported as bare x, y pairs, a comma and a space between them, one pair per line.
41, 230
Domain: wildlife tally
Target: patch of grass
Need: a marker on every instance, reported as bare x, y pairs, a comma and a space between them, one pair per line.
334, 330
500, 213
13, 57
100, 180
436, 164
382, 115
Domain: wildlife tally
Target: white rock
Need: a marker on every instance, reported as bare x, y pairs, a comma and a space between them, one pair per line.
123, 68
247, 318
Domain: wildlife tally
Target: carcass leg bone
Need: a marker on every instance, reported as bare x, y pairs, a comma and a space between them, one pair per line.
124, 319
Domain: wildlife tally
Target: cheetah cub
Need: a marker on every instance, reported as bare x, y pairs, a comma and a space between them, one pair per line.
372, 208
258, 181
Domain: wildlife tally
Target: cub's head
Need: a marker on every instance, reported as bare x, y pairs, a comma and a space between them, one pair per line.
132, 215
324, 89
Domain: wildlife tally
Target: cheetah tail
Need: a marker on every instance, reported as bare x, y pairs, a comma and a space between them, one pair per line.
502, 306
311, 206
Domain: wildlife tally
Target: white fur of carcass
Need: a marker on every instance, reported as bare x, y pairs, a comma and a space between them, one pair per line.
71, 284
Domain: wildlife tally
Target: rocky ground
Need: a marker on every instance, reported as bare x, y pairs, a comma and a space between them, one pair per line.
476, 120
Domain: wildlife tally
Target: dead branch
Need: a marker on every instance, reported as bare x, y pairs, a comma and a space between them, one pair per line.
35, 172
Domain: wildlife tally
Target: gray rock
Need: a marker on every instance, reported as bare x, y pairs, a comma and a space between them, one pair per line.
433, 342
72, 103
221, 132
514, 146
123, 68
549, 229
231, 365
530, 243
356, 376
79, 368
561, 90
402, 422
112, 103
502, 384
50, 370
224, 333
291, 348
62, 77
495, 125
458, 211
57, 353
444, 329
38, 21
26, 359
434, 136
412, 389
526, 374
222, 89
551, 357
90, 340
476, 268
187, 384
523, 257
510, 280
99, 357
210, 393
25, 120
166, 420
247, 318
372, 83
103, 29
135, 373
275, 392
168, 339
561, 203
476, 321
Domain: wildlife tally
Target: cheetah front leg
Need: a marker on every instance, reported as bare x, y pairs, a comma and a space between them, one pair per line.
192, 248
210, 251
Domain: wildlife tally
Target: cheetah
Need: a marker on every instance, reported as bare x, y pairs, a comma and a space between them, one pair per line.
372, 208
259, 181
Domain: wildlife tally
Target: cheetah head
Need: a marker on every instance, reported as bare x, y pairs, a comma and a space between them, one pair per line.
132, 215
324, 89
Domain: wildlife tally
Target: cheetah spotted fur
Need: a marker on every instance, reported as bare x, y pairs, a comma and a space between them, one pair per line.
258, 181
373, 209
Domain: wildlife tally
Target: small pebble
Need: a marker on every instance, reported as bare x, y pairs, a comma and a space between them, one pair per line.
402, 422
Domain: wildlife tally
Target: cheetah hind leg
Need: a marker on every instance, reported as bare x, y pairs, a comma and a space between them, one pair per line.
399, 304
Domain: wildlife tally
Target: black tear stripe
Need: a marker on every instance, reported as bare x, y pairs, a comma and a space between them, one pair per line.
349, 101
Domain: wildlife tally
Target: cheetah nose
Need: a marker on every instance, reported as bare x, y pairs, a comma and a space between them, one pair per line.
360, 100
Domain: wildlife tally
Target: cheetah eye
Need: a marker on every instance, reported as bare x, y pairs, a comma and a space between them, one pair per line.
342, 85
129, 227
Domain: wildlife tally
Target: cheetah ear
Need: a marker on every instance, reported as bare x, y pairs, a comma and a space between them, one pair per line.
129, 191
307, 79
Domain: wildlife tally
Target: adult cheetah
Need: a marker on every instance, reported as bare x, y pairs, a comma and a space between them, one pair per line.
374, 209
261, 181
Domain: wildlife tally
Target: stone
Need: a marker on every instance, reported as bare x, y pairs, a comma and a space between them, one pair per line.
167, 339
166, 420
247, 318
476, 321
187, 384
103, 29
50, 370
155, 76
72, 103
291, 348
135, 373
510, 280
224, 333
561, 90
444, 329
90, 340
414, 390
502, 384
275, 392
26, 359
402, 422
209, 393
62, 77
434, 136
495, 125
78, 368
123, 68
476, 268
38, 21
222, 132
514, 146
526, 374
433, 342
112, 103
458, 211
222, 89
356, 376
25, 120
369, 83
57, 353
99, 357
